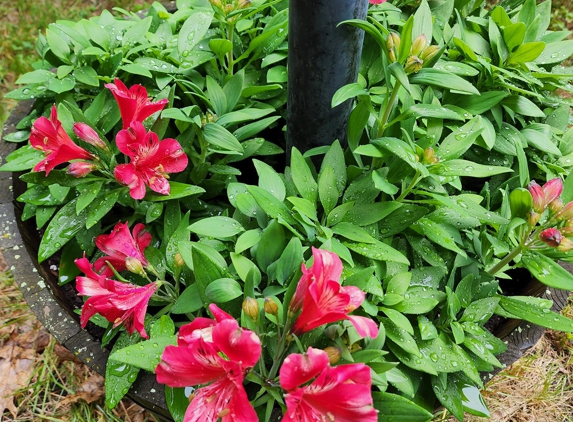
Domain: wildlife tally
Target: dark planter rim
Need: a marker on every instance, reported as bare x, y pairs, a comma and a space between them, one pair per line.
19, 246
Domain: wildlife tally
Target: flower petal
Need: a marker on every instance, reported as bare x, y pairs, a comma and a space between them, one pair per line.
366, 327
298, 369
238, 344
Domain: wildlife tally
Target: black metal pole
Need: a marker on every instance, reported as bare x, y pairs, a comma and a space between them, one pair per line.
322, 58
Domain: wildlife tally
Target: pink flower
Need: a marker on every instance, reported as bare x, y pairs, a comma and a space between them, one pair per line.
552, 237
544, 195
377, 1
134, 104
49, 136
81, 168
324, 300
566, 212
120, 244
120, 303
87, 134
218, 353
342, 393
151, 160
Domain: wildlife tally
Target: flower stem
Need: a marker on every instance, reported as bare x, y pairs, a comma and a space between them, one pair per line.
385, 113
506, 259
411, 186
230, 31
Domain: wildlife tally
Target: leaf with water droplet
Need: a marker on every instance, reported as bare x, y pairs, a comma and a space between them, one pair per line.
145, 355
119, 375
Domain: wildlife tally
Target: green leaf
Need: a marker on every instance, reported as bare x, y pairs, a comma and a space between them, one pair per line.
119, 376
177, 401
523, 106
146, 354
481, 104
423, 21
270, 180
217, 227
468, 168
352, 232
460, 140
217, 96
537, 315
101, 206
188, 301
346, 92
247, 240
526, 53
193, 31
419, 300
277, 74
64, 226
271, 205
378, 251
480, 310
443, 79
135, 69
206, 269
220, 46
399, 336
271, 246
438, 234
334, 158
302, 177
223, 290
328, 189
547, 271
136, 33
555, 52
58, 45
289, 260
429, 111
222, 139
87, 195
176, 190
87, 75
23, 158
252, 129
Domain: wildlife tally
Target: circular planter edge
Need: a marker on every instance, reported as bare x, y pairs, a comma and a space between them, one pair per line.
18, 245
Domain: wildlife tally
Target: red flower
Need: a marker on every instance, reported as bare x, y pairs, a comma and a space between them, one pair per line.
552, 237
134, 104
81, 168
324, 300
341, 393
377, 1
120, 244
151, 160
49, 136
120, 303
218, 353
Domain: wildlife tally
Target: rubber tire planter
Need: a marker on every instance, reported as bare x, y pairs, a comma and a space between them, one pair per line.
19, 241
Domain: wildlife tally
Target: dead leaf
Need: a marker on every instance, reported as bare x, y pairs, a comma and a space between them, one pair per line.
16, 366
64, 355
91, 390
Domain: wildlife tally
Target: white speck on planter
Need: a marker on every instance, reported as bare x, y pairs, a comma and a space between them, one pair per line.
16, 256
53, 267
23, 284
41, 284
59, 314
12, 268
17, 248
34, 270
152, 390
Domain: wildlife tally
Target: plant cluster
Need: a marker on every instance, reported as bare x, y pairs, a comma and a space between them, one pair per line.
354, 283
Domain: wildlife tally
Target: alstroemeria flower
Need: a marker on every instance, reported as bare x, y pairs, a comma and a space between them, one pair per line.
134, 104
120, 244
120, 303
80, 168
342, 393
87, 134
544, 195
151, 160
324, 300
217, 353
552, 237
49, 136
377, 1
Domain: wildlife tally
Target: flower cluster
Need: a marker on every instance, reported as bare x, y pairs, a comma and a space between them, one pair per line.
150, 160
556, 229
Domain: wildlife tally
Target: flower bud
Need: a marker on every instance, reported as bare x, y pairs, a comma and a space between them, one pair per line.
566, 231
520, 202
537, 196
429, 53
251, 308
393, 41
565, 246
80, 168
419, 45
413, 65
178, 260
551, 237
87, 134
229, 8
556, 205
271, 306
428, 155
392, 56
216, 3
566, 213
552, 190
533, 218
134, 265
333, 354
243, 4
